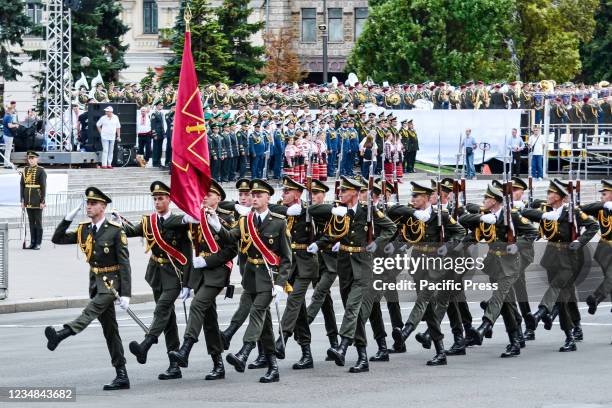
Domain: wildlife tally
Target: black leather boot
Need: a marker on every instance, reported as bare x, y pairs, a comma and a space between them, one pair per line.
529, 335
306, 360
521, 338
240, 358
577, 332
440, 357
361, 366
382, 354
55, 337
260, 361
227, 334
121, 381
458, 347
272, 374
592, 301
532, 319
337, 354
181, 357
424, 339
570, 344
36, 240
218, 371
514, 348
469, 335
479, 333
279, 346
400, 335
548, 319
333, 343
140, 350
172, 373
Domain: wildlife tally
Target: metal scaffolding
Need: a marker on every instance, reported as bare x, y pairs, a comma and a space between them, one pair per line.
58, 89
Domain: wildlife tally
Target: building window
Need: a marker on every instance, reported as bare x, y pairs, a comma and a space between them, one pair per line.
334, 20
361, 15
150, 17
309, 25
34, 12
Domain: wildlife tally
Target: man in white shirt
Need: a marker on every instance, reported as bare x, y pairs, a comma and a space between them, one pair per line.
537, 143
516, 146
110, 130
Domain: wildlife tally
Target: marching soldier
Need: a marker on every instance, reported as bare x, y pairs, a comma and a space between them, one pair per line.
104, 245
171, 254
264, 236
33, 190
212, 266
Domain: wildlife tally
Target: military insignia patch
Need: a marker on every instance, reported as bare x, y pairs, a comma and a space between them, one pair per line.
106, 250
124, 240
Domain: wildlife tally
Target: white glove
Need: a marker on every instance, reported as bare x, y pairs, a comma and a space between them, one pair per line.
403, 248
278, 292
188, 219
389, 248
575, 245
185, 294
391, 203
442, 250
70, 216
422, 215
608, 205
123, 302
336, 247
488, 218
295, 209
518, 204
242, 210
313, 248
551, 216
371, 247
512, 249
199, 262
213, 221
339, 211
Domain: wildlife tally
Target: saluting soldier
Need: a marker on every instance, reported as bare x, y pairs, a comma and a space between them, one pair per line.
105, 247
166, 238
212, 266
562, 259
33, 190
264, 236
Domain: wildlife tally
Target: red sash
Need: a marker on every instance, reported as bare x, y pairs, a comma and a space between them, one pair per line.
167, 248
209, 239
270, 257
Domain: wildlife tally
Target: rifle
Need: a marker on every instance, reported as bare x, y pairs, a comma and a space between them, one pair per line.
395, 181
370, 218
574, 233
337, 187
507, 200
439, 192
109, 286
309, 193
529, 178
455, 202
383, 177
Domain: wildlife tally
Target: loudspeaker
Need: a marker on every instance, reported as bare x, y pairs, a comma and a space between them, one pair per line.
127, 117
124, 156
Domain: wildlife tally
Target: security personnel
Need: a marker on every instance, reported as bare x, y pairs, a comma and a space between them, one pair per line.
345, 138
264, 235
216, 151
169, 129
258, 146
243, 148
33, 190
333, 147
354, 143
166, 238
420, 229
157, 126
410, 147
562, 259
212, 266
227, 154
502, 263
235, 152
355, 261
277, 150
104, 245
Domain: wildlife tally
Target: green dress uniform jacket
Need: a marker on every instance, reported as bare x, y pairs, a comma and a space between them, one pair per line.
33, 186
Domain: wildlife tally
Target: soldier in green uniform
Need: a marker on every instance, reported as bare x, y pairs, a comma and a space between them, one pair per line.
562, 259
264, 236
355, 261
502, 263
166, 237
602, 211
212, 266
33, 189
104, 245
411, 146
421, 230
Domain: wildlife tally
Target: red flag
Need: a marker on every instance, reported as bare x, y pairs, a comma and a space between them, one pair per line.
191, 177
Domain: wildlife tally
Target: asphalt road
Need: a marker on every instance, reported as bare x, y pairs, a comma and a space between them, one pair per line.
540, 377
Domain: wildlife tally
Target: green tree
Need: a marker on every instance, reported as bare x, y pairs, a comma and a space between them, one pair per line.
551, 34
148, 79
597, 54
247, 58
419, 40
208, 45
14, 24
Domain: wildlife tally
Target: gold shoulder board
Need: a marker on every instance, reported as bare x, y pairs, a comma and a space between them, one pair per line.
282, 217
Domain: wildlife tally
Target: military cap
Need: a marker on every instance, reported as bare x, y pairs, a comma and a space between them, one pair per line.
378, 186
32, 153
556, 187
243, 185
158, 102
258, 124
420, 189
605, 186
95, 194
494, 193
318, 186
348, 184
159, 188
497, 184
212, 125
361, 180
517, 182
446, 184
291, 184
217, 189
261, 186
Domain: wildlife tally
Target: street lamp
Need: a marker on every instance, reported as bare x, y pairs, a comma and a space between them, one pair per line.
323, 29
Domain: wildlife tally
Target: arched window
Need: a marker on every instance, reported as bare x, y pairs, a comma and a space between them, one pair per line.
149, 10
